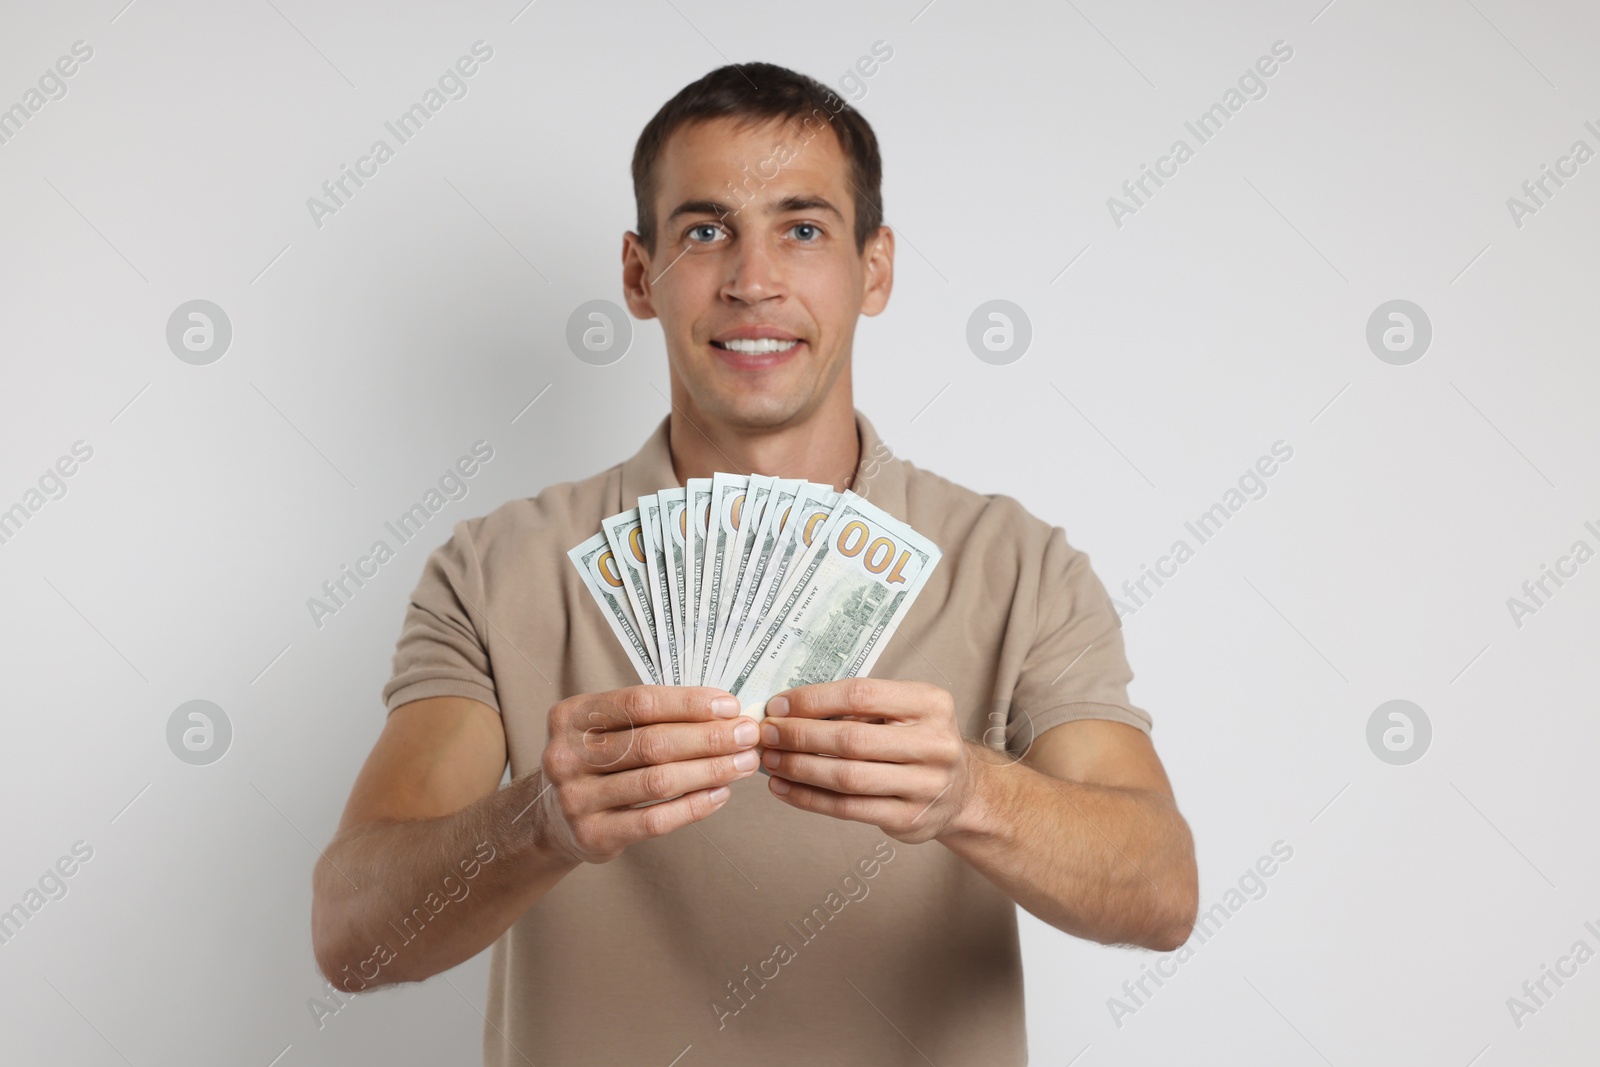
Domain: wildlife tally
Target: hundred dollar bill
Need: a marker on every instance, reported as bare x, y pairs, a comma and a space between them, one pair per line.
655, 560
598, 567
627, 546
746, 516
758, 555
698, 491
675, 527
727, 498
800, 523
844, 598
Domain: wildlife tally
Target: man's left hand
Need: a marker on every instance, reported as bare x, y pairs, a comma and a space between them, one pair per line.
891, 754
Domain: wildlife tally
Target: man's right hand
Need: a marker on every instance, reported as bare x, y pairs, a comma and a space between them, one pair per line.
610, 751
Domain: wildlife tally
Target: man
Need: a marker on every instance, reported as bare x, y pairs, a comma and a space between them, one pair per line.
857, 906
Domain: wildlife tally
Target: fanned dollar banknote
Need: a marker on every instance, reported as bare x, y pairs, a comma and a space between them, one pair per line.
753, 584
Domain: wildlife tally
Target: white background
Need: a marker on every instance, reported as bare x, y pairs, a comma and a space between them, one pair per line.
1228, 313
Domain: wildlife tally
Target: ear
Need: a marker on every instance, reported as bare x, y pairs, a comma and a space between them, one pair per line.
879, 274
636, 277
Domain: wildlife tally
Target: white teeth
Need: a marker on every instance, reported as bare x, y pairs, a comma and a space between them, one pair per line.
762, 347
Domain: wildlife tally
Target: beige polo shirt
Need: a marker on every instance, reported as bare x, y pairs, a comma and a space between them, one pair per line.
765, 933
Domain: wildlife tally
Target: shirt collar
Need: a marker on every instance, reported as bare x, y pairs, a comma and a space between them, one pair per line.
880, 475
647, 470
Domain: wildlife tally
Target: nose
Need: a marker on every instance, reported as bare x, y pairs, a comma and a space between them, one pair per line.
754, 273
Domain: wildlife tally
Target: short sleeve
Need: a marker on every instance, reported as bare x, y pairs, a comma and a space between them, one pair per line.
1076, 667
440, 651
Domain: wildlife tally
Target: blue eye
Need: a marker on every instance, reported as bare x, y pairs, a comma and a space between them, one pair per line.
808, 226
703, 226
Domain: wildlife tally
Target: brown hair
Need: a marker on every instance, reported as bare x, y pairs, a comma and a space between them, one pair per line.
752, 93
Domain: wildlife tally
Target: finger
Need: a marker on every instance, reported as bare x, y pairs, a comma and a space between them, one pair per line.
848, 739
879, 811
640, 705
659, 819
855, 777
871, 698
667, 742
661, 781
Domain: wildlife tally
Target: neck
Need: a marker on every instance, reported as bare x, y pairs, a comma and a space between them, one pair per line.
823, 447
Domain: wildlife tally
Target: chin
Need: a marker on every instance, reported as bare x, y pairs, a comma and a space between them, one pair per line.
756, 411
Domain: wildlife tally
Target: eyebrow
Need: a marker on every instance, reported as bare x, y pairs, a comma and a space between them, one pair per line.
782, 207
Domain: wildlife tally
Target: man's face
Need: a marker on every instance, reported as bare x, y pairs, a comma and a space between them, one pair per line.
755, 250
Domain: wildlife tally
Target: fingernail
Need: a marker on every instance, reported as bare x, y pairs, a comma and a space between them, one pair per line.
746, 733
719, 794
778, 707
746, 760
779, 786
772, 757
725, 707
769, 734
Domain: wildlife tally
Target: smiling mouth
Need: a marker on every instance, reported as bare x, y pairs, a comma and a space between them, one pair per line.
766, 346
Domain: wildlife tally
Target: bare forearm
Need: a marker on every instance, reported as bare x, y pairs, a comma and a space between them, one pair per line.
1110, 865
402, 901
